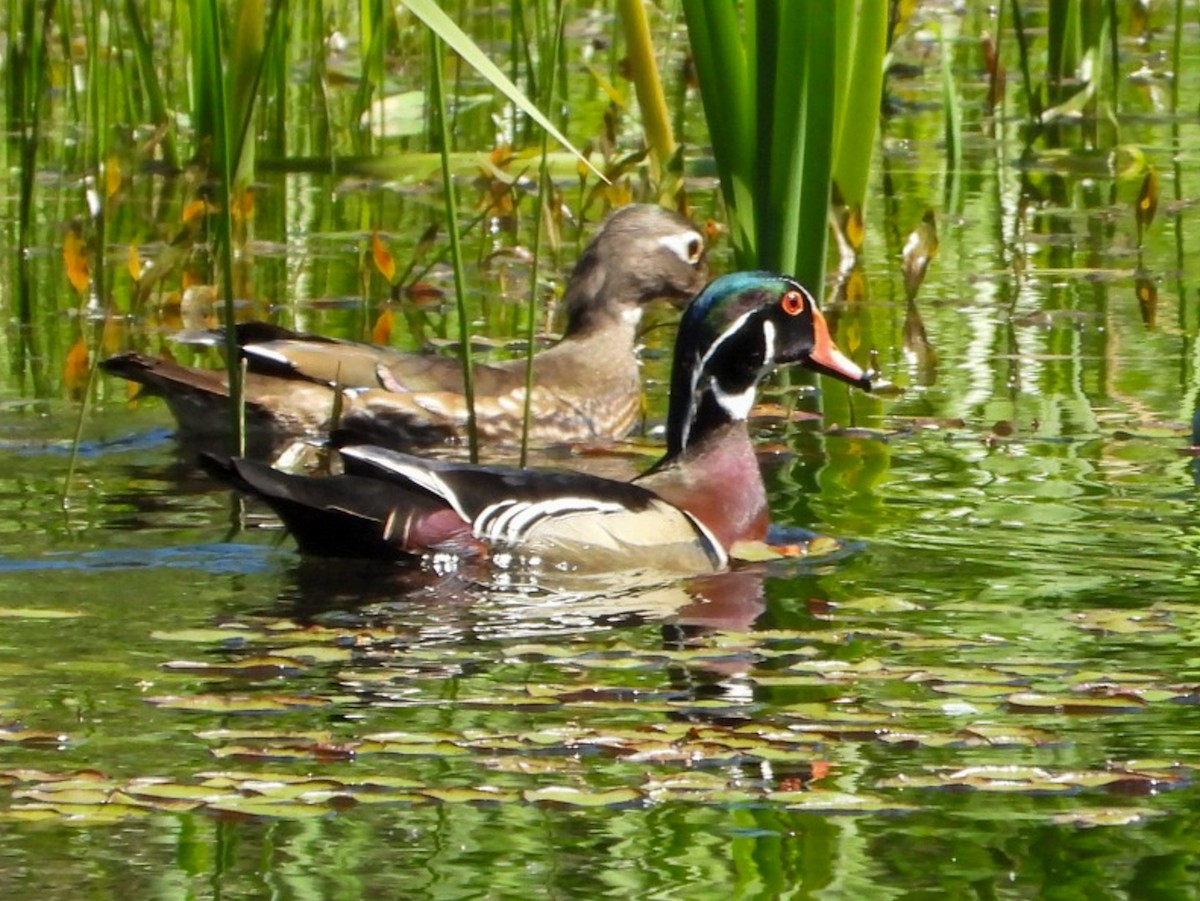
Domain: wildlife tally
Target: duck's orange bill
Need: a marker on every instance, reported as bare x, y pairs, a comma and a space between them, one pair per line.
825, 356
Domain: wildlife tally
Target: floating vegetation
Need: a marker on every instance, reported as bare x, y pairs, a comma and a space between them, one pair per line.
620, 723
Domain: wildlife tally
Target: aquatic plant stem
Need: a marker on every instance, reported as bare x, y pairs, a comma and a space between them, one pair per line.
656, 120
96, 200
27, 77
1032, 100
451, 199
144, 54
207, 44
543, 184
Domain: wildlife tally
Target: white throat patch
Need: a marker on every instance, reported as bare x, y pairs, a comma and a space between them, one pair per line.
736, 405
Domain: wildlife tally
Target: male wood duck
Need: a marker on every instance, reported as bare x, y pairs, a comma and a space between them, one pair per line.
587, 386
684, 515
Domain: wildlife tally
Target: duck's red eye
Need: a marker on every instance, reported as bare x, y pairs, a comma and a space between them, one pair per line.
793, 303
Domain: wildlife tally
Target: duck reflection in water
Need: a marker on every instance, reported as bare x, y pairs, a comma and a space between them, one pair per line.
400, 609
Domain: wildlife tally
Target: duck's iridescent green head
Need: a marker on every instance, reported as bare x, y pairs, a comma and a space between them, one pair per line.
736, 330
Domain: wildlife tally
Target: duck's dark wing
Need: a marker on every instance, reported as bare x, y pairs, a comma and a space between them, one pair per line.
350, 515
575, 517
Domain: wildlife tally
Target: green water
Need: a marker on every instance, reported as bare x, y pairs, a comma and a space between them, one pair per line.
993, 694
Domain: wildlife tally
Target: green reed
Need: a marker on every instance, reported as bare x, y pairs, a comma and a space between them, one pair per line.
149, 81
212, 117
544, 187
862, 41
27, 80
1081, 40
98, 92
952, 118
450, 196
656, 119
764, 73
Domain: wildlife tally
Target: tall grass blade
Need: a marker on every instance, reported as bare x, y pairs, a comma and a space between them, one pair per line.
27, 82
543, 187
1063, 46
451, 199
148, 72
213, 112
1032, 96
246, 63
953, 125
429, 12
371, 37
99, 96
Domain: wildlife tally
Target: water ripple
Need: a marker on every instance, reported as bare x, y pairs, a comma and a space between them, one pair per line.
218, 559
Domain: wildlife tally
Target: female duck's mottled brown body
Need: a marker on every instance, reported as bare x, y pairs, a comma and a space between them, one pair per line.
585, 387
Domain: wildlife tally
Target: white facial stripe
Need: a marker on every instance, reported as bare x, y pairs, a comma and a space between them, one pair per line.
768, 344
688, 246
734, 328
698, 370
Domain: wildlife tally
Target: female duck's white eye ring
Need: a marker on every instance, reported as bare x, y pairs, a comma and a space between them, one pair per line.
793, 303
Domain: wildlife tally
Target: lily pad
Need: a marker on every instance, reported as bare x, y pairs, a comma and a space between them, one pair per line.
829, 802
247, 668
267, 809
39, 613
578, 797
1105, 816
1034, 701
211, 703
471, 795
1122, 622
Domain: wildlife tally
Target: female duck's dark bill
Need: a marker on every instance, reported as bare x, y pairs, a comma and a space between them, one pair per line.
826, 358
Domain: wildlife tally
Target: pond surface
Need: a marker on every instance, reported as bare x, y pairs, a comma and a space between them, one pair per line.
990, 690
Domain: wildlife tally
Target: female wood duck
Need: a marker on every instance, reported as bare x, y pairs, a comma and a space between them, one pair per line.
684, 515
586, 386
